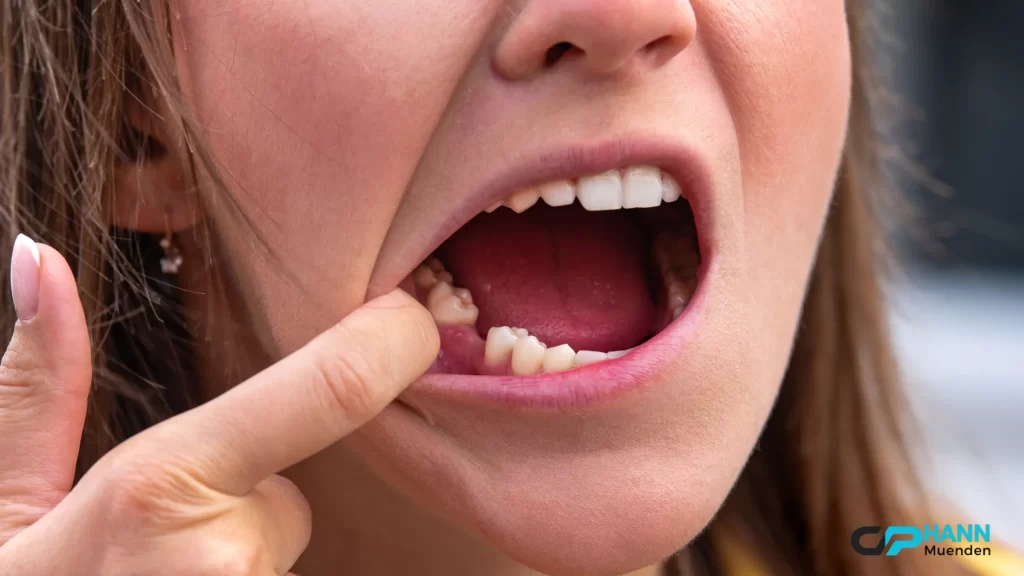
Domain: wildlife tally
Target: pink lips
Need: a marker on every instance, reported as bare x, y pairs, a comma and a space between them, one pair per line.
610, 379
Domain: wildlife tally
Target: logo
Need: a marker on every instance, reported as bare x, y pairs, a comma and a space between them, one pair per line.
899, 538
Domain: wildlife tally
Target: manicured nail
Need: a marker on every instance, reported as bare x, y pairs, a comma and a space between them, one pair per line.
25, 277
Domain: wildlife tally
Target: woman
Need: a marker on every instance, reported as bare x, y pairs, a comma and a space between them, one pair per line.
636, 260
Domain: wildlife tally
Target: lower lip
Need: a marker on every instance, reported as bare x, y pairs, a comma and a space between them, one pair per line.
598, 383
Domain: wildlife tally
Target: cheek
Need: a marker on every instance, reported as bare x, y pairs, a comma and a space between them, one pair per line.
317, 112
785, 68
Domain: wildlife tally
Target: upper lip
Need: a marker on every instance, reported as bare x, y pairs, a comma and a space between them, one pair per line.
683, 161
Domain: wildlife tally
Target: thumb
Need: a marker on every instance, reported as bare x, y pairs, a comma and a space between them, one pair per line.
45, 376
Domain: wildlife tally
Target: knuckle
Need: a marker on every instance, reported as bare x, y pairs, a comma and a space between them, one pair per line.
145, 492
20, 378
348, 381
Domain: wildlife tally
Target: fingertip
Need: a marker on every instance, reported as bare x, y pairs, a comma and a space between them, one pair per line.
60, 320
430, 340
420, 323
397, 298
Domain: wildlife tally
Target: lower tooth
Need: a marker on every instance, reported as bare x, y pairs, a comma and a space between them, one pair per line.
464, 295
619, 353
448, 308
424, 278
434, 264
559, 358
527, 356
453, 312
499, 344
588, 357
438, 292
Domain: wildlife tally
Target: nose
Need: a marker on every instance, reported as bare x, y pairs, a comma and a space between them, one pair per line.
605, 37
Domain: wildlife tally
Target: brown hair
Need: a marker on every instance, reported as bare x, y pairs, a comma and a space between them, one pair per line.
833, 456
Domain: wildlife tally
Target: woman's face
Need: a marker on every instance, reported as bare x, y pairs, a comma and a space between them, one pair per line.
359, 136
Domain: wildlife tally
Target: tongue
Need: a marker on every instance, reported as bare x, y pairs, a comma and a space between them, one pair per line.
566, 275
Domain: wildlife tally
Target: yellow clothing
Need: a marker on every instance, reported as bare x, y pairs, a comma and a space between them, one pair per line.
1002, 562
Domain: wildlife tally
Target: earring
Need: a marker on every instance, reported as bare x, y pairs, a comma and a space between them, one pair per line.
172, 260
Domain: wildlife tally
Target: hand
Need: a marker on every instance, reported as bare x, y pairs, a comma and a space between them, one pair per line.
196, 494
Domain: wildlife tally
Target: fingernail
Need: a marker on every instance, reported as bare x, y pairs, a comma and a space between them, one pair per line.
25, 277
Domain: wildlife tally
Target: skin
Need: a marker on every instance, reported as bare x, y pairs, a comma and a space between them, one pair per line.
346, 130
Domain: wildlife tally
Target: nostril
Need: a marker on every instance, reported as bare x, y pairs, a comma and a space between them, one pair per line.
655, 45
556, 52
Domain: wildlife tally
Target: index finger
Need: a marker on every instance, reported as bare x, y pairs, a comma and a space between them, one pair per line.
307, 401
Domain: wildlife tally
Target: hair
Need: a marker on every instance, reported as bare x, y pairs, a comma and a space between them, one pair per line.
834, 455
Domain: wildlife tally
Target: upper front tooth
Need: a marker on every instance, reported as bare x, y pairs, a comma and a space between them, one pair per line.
498, 348
670, 188
560, 193
559, 358
523, 199
641, 187
527, 356
601, 192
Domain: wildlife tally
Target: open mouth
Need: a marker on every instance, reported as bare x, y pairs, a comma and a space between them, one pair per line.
562, 275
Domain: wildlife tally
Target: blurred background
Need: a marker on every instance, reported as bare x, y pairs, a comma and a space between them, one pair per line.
956, 69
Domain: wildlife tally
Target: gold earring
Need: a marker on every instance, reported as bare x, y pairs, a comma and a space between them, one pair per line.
171, 262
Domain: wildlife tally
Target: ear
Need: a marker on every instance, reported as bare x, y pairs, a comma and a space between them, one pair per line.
150, 188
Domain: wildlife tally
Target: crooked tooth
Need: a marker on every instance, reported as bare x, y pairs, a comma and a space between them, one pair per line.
522, 200
619, 353
560, 193
527, 356
453, 312
499, 344
493, 207
451, 308
601, 192
641, 187
558, 359
463, 294
520, 332
588, 357
424, 277
434, 264
670, 188
440, 291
